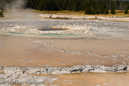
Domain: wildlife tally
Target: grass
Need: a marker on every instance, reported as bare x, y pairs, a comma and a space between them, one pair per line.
63, 12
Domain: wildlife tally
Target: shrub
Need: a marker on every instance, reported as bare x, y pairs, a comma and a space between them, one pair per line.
126, 11
101, 11
96, 12
1, 14
91, 10
113, 11
88, 10
106, 11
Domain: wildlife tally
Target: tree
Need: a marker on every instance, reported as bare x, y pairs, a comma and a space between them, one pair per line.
40, 5
96, 11
106, 11
113, 10
126, 11
101, 9
1, 14
88, 10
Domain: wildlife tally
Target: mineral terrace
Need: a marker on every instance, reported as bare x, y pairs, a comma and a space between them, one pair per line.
60, 52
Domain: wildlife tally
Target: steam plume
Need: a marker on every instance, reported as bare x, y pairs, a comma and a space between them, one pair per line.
17, 11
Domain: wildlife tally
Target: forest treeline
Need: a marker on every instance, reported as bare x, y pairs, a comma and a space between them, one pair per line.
89, 6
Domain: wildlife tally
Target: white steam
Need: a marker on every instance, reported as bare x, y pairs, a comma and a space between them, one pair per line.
16, 5
16, 11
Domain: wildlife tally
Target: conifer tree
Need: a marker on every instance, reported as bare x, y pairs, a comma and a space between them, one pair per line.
1, 14
88, 10
113, 10
126, 11
106, 11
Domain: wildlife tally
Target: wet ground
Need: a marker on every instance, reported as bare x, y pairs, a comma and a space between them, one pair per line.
93, 79
32, 51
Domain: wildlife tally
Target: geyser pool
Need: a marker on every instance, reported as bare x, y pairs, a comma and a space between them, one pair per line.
53, 29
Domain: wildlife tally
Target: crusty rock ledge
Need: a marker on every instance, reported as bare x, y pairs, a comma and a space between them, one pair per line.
29, 75
61, 70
